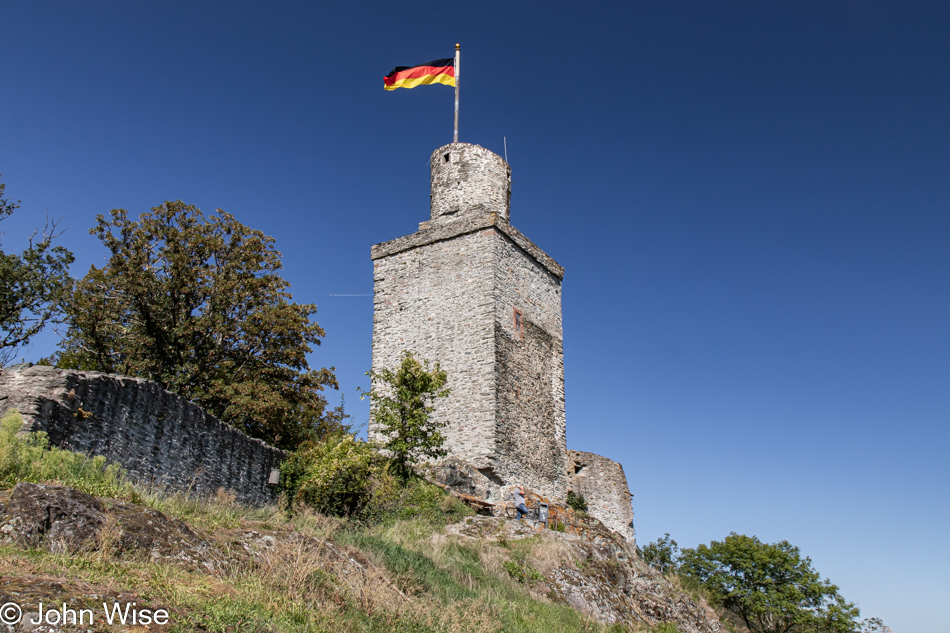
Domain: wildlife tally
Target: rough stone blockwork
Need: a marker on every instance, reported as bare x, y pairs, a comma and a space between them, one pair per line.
468, 179
529, 366
472, 292
604, 486
156, 435
436, 302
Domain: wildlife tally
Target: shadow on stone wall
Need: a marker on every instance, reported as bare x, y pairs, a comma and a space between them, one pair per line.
156, 435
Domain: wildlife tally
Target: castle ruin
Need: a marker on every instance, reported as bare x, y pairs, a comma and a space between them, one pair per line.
472, 292
467, 290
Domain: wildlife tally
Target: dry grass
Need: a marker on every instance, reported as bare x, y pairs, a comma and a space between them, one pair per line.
305, 572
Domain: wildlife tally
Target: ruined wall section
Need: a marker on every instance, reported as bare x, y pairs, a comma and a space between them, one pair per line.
529, 371
435, 300
156, 435
603, 484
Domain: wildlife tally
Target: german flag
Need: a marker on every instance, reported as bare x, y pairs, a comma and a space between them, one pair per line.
439, 71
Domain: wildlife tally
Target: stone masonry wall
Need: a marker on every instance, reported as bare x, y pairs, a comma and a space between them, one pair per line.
530, 372
604, 486
436, 301
157, 436
468, 179
448, 293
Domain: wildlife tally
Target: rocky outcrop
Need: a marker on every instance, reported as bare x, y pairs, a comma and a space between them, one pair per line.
598, 575
595, 572
51, 516
462, 477
64, 519
157, 436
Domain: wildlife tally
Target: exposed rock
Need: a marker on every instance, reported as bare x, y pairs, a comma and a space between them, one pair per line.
65, 519
589, 568
462, 477
150, 533
600, 577
53, 517
29, 591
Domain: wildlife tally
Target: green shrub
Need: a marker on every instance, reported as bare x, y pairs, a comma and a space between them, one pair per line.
576, 501
29, 457
419, 499
522, 572
343, 476
339, 475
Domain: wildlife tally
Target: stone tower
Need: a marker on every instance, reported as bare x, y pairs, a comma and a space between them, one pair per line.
470, 291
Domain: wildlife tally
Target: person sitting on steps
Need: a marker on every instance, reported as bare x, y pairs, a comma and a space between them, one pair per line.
518, 496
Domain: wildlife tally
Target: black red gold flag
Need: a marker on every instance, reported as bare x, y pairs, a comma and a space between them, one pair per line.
439, 71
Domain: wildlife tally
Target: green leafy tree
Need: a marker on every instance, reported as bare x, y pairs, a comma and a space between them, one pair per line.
662, 554
198, 305
401, 402
874, 625
33, 285
769, 586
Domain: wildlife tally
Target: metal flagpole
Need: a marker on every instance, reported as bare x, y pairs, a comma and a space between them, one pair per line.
455, 137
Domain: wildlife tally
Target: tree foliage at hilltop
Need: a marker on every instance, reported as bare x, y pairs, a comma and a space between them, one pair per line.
32, 285
771, 587
198, 305
662, 554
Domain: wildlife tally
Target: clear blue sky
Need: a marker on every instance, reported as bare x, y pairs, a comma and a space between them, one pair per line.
750, 200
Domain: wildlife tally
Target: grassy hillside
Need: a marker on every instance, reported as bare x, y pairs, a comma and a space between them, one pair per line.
236, 569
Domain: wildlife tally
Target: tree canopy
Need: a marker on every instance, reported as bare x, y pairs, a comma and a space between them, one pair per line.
401, 401
198, 305
662, 554
771, 587
33, 285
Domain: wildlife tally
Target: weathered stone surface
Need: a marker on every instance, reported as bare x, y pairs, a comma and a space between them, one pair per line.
451, 293
156, 435
436, 302
54, 517
461, 477
597, 574
65, 519
430, 233
142, 531
468, 179
29, 591
604, 486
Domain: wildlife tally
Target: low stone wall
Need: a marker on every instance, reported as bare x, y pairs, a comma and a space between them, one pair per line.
156, 435
604, 486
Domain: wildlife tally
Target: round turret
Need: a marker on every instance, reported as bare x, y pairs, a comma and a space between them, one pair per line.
469, 180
